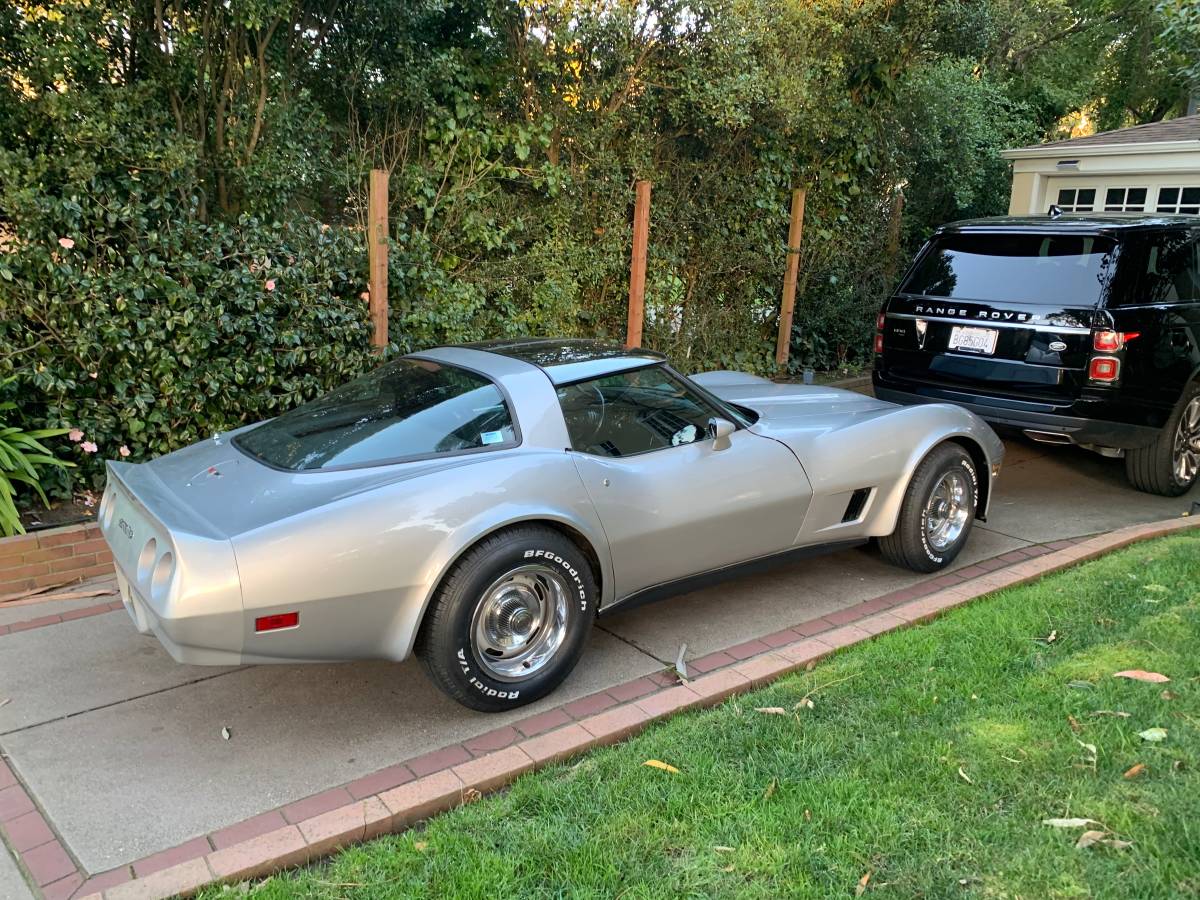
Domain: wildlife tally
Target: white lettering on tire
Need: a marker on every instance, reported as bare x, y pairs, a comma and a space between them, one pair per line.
551, 556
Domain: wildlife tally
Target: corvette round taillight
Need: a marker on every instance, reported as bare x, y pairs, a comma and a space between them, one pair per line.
160, 581
145, 563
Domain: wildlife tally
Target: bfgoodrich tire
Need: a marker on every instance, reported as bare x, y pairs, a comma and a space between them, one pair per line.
937, 512
1169, 466
510, 620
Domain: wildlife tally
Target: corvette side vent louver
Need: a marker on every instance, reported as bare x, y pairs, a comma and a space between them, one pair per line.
854, 508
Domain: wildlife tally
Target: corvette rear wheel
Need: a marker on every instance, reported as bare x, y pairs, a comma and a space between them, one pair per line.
937, 512
510, 621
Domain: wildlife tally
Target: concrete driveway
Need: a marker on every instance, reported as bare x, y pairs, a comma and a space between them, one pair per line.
122, 749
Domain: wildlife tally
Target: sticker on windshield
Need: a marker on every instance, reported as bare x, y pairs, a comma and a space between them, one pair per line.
491, 437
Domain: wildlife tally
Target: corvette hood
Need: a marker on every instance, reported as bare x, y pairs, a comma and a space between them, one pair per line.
780, 403
216, 489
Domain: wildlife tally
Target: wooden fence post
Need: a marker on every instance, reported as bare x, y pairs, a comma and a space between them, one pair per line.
377, 257
895, 220
783, 344
637, 267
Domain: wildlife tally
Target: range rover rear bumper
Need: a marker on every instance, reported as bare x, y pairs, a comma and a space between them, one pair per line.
1076, 429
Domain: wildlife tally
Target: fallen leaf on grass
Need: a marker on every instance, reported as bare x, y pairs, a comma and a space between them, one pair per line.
470, 795
1090, 838
1111, 712
1135, 770
862, 885
771, 710
805, 703
1081, 685
964, 776
659, 764
1168, 695
421, 846
1089, 754
1153, 734
770, 791
1074, 723
1157, 588
1069, 823
728, 868
1142, 675
722, 849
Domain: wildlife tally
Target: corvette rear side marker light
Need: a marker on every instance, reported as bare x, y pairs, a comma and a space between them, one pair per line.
277, 622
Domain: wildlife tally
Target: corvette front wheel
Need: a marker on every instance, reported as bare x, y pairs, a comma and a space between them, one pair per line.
937, 512
510, 621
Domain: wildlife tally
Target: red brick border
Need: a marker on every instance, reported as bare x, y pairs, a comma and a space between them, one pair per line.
401, 795
52, 557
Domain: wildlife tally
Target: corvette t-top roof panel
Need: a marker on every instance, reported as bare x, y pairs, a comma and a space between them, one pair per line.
565, 361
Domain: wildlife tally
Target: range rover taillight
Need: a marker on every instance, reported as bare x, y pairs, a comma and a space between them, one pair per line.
1103, 367
879, 323
1112, 341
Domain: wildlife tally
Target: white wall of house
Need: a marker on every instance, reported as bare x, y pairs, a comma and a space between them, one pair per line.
1041, 174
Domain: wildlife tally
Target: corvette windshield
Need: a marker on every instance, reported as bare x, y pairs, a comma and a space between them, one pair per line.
407, 408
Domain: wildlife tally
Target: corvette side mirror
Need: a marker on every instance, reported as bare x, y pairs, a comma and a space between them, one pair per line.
720, 430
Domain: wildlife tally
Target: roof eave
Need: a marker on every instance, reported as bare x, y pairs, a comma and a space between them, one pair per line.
1064, 150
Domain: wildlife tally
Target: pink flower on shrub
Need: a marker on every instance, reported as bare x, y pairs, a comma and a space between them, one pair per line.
89, 447
270, 285
66, 243
365, 295
124, 451
93, 374
75, 435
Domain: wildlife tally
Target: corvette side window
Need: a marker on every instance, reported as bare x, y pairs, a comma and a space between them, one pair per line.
634, 412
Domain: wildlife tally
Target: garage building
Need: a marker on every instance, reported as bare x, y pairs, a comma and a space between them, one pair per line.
1147, 169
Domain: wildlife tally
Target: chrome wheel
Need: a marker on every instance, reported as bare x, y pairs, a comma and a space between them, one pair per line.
947, 510
520, 623
1186, 456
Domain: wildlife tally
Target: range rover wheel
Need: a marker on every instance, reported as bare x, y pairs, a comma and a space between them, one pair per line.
937, 512
1169, 466
510, 621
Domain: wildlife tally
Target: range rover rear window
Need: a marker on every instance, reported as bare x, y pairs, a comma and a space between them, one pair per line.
1051, 269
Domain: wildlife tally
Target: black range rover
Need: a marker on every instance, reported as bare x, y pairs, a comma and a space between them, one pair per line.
1074, 330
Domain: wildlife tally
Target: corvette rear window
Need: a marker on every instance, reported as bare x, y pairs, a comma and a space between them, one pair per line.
1053, 269
405, 409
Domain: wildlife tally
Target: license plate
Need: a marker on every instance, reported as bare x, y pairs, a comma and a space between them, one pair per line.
973, 340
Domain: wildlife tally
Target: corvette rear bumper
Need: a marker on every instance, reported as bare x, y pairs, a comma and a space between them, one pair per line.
187, 638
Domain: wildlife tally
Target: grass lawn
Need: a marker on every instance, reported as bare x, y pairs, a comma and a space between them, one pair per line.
928, 761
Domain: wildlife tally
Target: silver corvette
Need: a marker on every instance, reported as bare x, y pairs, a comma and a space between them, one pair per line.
479, 505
